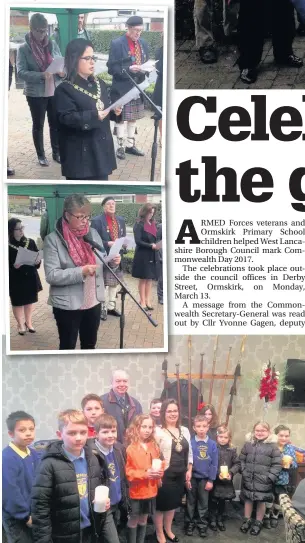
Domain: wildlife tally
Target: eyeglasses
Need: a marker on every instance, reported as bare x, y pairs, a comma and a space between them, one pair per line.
88, 59
40, 30
19, 229
82, 217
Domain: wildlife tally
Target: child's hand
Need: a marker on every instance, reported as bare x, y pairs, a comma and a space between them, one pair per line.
29, 522
188, 485
107, 504
229, 476
153, 474
209, 486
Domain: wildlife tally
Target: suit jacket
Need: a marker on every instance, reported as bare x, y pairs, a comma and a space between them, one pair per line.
100, 224
120, 59
112, 407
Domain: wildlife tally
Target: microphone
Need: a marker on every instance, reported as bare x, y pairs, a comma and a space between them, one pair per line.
89, 239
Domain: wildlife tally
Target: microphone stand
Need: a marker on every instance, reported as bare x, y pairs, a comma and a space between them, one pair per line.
124, 290
157, 118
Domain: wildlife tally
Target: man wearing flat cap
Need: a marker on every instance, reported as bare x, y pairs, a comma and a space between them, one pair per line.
128, 53
110, 227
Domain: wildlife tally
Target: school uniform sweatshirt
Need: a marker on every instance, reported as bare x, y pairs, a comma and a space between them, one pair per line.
205, 458
18, 472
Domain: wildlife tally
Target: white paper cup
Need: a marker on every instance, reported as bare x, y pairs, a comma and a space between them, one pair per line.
100, 498
156, 464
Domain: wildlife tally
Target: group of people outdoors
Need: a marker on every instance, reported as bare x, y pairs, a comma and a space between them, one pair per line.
82, 290
77, 102
247, 24
148, 462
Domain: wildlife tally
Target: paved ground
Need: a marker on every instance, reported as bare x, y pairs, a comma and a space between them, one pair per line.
23, 157
139, 333
191, 73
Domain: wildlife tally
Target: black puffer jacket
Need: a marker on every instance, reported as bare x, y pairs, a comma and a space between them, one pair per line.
260, 466
223, 488
55, 498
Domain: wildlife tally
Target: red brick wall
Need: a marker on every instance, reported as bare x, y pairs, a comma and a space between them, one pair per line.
141, 198
156, 26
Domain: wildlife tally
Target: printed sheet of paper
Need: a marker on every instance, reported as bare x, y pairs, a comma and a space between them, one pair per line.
133, 94
57, 65
30, 258
149, 66
129, 242
115, 249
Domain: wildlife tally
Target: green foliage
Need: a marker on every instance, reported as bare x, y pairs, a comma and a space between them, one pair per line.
129, 211
127, 260
101, 40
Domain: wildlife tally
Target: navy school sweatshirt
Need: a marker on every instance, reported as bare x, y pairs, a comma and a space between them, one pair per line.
205, 462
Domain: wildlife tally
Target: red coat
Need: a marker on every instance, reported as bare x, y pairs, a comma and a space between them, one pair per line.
137, 463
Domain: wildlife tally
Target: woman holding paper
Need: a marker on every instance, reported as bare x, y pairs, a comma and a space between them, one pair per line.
33, 60
81, 101
146, 258
24, 282
75, 275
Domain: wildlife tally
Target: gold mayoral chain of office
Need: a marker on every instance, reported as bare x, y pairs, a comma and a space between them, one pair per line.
99, 104
177, 440
25, 246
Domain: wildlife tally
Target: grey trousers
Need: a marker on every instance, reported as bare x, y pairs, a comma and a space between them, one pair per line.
197, 499
213, 20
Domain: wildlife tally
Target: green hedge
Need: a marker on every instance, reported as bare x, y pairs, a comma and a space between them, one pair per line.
129, 211
127, 260
101, 40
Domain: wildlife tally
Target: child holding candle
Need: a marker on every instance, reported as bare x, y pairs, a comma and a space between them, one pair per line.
205, 462
228, 466
260, 466
64, 488
143, 475
281, 484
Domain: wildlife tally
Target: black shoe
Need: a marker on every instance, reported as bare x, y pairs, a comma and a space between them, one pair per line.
208, 55
203, 531
21, 332
256, 527
220, 525
267, 523
43, 161
174, 539
56, 157
274, 522
213, 526
134, 151
160, 302
121, 153
10, 172
189, 529
248, 75
103, 314
292, 61
149, 308
114, 312
31, 330
245, 525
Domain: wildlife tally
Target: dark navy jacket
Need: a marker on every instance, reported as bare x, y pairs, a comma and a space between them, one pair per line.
120, 59
100, 224
123, 418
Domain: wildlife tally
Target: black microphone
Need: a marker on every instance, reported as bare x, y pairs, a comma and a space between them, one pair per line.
89, 239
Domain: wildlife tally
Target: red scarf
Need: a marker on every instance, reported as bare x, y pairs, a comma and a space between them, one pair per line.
113, 226
41, 52
80, 251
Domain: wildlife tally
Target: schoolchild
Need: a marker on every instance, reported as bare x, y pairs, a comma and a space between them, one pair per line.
228, 466
92, 407
289, 461
19, 463
205, 462
260, 460
64, 488
143, 477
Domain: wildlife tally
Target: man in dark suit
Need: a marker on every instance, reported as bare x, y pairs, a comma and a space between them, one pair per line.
110, 227
128, 53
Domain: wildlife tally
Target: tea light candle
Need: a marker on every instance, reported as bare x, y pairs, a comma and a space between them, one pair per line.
224, 471
156, 464
100, 498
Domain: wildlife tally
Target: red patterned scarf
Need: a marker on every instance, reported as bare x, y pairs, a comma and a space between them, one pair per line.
113, 226
135, 51
41, 52
80, 251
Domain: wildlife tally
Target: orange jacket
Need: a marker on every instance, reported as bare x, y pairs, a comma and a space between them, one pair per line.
137, 463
